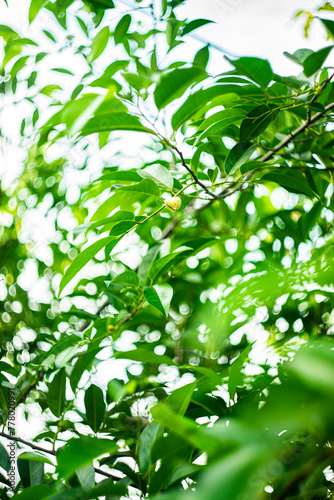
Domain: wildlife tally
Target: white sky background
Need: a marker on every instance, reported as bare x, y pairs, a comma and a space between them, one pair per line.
262, 28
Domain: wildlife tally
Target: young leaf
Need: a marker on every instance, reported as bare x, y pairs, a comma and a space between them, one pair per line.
159, 174
159, 296
95, 407
122, 28
194, 25
173, 84
99, 44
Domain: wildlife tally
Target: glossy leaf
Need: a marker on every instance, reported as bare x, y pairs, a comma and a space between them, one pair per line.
173, 84
315, 61
146, 441
257, 70
194, 25
159, 296
56, 396
238, 155
95, 407
122, 28
99, 44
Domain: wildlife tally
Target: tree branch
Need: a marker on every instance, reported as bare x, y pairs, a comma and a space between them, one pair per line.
51, 452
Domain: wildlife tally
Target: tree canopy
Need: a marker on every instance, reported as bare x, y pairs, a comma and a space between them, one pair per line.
166, 275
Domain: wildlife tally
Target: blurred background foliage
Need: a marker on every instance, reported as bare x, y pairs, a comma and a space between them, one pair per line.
166, 279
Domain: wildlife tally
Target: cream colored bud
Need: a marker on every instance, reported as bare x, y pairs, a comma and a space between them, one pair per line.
173, 203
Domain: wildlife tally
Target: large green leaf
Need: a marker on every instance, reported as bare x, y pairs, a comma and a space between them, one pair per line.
56, 396
95, 407
122, 28
329, 25
79, 452
159, 296
173, 84
235, 375
82, 259
257, 70
159, 174
146, 441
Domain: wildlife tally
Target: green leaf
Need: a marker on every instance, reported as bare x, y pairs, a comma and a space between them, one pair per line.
128, 278
194, 25
56, 395
299, 55
180, 398
112, 114
35, 456
35, 7
122, 28
99, 44
159, 296
329, 25
4, 458
83, 363
173, 84
160, 266
293, 181
146, 441
40, 492
257, 70
217, 122
82, 259
256, 122
122, 177
31, 471
238, 155
201, 58
235, 375
80, 452
144, 356
159, 174
146, 186
95, 407
315, 61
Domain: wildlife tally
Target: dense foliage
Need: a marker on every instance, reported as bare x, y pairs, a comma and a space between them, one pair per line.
166, 277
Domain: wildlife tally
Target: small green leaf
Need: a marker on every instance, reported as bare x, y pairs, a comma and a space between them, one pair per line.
159, 174
194, 25
95, 407
257, 70
201, 58
173, 84
99, 44
159, 296
56, 394
79, 452
81, 260
122, 28
299, 55
128, 278
315, 61
4, 458
146, 186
